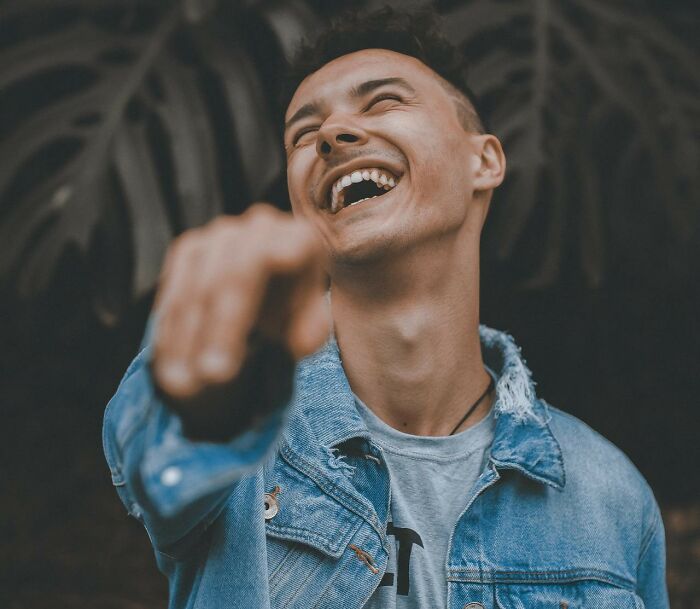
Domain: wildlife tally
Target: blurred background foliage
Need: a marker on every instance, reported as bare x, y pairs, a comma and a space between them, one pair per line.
123, 123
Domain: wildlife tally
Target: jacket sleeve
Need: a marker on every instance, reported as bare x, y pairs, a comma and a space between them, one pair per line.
651, 569
175, 487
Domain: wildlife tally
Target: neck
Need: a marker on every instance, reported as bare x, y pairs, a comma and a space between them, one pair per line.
408, 333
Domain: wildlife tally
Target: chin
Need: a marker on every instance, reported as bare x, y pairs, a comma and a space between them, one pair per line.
355, 252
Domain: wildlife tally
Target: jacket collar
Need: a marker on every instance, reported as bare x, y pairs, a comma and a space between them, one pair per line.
323, 412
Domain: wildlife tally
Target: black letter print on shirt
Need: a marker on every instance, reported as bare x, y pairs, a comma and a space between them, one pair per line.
405, 538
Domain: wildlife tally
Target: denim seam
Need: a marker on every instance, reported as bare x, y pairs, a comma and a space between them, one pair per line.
328, 486
272, 574
295, 596
301, 581
647, 539
543, 577
560, 454
284, 568
336, 573
196, 587
310, 537
140, 420
525, 472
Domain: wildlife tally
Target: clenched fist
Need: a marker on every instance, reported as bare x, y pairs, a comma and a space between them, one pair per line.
240, 300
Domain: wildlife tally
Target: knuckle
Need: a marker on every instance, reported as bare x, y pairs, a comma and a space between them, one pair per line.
222, 221
262, 210
184, 244
263, 216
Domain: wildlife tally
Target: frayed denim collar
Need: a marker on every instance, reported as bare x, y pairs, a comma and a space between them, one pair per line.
324, 414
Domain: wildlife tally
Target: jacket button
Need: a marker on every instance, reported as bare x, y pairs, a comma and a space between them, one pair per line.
473, 606
271, 504
171, 476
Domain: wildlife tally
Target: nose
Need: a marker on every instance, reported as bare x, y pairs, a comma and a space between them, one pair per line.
337, 134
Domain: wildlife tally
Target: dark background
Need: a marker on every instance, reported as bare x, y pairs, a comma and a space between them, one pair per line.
592, 265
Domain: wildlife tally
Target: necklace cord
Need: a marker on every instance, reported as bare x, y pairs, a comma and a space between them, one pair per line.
472, 408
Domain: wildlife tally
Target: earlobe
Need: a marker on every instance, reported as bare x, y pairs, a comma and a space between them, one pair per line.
492, 163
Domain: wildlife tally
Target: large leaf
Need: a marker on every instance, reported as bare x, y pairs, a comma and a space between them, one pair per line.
124, 123
584, 94
62, 150
154, 109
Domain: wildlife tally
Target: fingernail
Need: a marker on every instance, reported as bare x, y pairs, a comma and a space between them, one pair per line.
214, 361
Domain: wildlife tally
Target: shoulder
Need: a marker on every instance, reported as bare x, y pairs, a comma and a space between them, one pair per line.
599, 473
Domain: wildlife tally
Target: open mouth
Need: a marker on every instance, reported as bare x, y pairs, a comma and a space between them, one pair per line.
358, 186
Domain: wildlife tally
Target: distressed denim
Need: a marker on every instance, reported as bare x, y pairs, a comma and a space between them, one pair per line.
558, 518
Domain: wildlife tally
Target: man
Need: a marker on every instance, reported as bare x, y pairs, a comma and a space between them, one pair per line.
411, 464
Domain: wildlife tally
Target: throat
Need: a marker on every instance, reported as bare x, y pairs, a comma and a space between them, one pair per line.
414, 362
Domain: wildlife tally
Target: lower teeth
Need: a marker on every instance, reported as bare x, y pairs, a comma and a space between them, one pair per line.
360, 201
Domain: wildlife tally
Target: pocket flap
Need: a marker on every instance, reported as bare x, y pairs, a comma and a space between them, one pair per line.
305, 514
574, 595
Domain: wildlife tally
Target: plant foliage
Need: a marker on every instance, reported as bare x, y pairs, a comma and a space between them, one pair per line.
130, 121
124, 123
598, 106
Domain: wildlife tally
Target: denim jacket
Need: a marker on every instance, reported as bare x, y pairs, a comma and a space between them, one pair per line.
294, 514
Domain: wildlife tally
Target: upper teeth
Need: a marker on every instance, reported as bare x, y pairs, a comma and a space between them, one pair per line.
382, 178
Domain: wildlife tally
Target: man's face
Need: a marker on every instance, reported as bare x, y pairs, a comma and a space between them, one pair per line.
378, 124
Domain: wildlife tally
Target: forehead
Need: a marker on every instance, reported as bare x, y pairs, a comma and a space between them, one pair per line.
342, 74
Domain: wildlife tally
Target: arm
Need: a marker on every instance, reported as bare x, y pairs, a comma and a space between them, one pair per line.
176, 445
174, 486
651, 569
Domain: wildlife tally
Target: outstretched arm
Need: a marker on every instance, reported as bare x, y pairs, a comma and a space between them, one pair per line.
241, 300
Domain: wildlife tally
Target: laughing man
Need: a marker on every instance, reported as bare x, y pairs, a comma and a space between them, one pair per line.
371, 446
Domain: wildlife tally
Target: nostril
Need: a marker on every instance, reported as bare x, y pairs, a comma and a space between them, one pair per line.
346, 137
325, 148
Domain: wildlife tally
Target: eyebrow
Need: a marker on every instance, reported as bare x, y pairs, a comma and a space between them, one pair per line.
357, 91
369, 86
306, 110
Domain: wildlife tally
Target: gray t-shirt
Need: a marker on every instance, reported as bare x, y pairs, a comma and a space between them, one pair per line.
430, 482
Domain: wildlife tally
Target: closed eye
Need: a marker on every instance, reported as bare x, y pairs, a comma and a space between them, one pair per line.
302, 132
382, 97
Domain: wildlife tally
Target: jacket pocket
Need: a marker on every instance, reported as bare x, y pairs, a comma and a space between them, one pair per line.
298, 573
587, 594
308, 535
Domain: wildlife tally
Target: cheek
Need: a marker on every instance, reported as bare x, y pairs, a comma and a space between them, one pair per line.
440, 164
297, 179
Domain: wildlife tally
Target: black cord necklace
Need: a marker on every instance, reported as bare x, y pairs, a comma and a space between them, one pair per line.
472, 408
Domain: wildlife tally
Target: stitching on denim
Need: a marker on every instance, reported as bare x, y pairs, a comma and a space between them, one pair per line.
647, 539
301, 477
111, 445
290, 548
195, 531
525, 472
301, 581
285, 567
310, 537
331, 580
301, 464
311, 574
197, 586
560, 454
543, 577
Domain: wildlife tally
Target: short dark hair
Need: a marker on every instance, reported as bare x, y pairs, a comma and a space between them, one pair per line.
414, 33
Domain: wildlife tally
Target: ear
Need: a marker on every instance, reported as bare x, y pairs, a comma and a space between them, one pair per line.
490, 163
